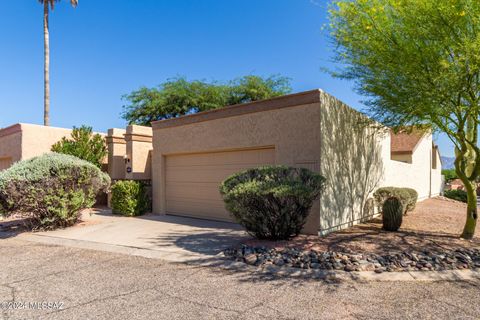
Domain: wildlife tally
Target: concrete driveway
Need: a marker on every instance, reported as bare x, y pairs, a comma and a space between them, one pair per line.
171, 238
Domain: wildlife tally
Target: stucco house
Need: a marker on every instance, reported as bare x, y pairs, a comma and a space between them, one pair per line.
192, 154
23, 141
187, 158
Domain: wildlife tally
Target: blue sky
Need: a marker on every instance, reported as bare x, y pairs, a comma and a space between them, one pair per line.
104, 49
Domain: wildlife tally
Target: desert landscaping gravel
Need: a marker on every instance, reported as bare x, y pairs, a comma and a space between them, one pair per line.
438, 260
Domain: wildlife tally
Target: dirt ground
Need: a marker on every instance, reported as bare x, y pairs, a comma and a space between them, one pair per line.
434, 224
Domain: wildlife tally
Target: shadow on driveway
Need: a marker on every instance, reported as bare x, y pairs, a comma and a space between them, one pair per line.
171, 238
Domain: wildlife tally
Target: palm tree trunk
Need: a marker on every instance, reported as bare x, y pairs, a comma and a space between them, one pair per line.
46, 71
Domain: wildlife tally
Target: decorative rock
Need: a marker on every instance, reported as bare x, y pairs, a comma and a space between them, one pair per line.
250, 259
349, 267
351, 261
279, 262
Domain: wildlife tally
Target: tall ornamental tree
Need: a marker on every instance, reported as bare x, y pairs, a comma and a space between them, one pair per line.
178, 96
47, 5
418, 62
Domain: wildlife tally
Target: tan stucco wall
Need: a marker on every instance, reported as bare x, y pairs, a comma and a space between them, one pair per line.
10, 145
356, 160
352, 160
37, 139
438, 182
23, 141
117, 149
138, 149
294, 132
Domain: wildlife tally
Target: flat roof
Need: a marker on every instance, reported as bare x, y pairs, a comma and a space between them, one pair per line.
290, 100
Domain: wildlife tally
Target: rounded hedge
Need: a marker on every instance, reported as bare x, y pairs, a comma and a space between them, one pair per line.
407, 196
50, 190
129, 198
459, 195
272, 202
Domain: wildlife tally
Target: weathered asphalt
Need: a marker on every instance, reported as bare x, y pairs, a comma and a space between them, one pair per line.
103, 285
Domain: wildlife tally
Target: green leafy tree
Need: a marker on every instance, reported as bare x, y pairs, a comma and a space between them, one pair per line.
449, 174
178, 96
418, 62
83, 144
47, 5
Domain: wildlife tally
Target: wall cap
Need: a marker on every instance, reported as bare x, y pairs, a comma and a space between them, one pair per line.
291, 100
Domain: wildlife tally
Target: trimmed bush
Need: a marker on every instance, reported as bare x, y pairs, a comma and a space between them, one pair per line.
459, 195
407, 196
272, 202
50, 190
392, 213
129, 198
413, 197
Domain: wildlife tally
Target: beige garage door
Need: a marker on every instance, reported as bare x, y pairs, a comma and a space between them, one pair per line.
192, 180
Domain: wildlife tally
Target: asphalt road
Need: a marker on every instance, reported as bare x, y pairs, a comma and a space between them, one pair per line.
98, 285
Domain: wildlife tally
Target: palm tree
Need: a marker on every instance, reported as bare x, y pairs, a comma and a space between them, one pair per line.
46, 70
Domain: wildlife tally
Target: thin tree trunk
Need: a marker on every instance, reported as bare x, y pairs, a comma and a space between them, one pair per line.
465, 160
471, 223
46, 71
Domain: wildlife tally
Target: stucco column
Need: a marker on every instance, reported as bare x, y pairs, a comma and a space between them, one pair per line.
138, 150
116, 152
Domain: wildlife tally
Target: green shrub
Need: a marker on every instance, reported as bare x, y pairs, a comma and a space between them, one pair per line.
459, 195
50, 190
407, 196
272, 202
450, 174
392, 214
129, 198
413, 198
83, 144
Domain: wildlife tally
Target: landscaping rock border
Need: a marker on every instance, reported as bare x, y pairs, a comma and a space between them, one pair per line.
439, 260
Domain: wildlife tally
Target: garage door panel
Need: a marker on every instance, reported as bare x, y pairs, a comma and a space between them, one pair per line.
192, 180
222, 158
199, 210
193, 191
208, 173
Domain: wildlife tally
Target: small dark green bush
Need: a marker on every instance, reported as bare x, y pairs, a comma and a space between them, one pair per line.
392, 213
407, 196
459, 195
272, 202
129, 198
50, 190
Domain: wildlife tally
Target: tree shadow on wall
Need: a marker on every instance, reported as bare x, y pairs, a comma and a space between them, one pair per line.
351, 160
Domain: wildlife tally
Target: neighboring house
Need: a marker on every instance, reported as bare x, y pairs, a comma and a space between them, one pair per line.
416, 163
455, 184
23, 141
194, 153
